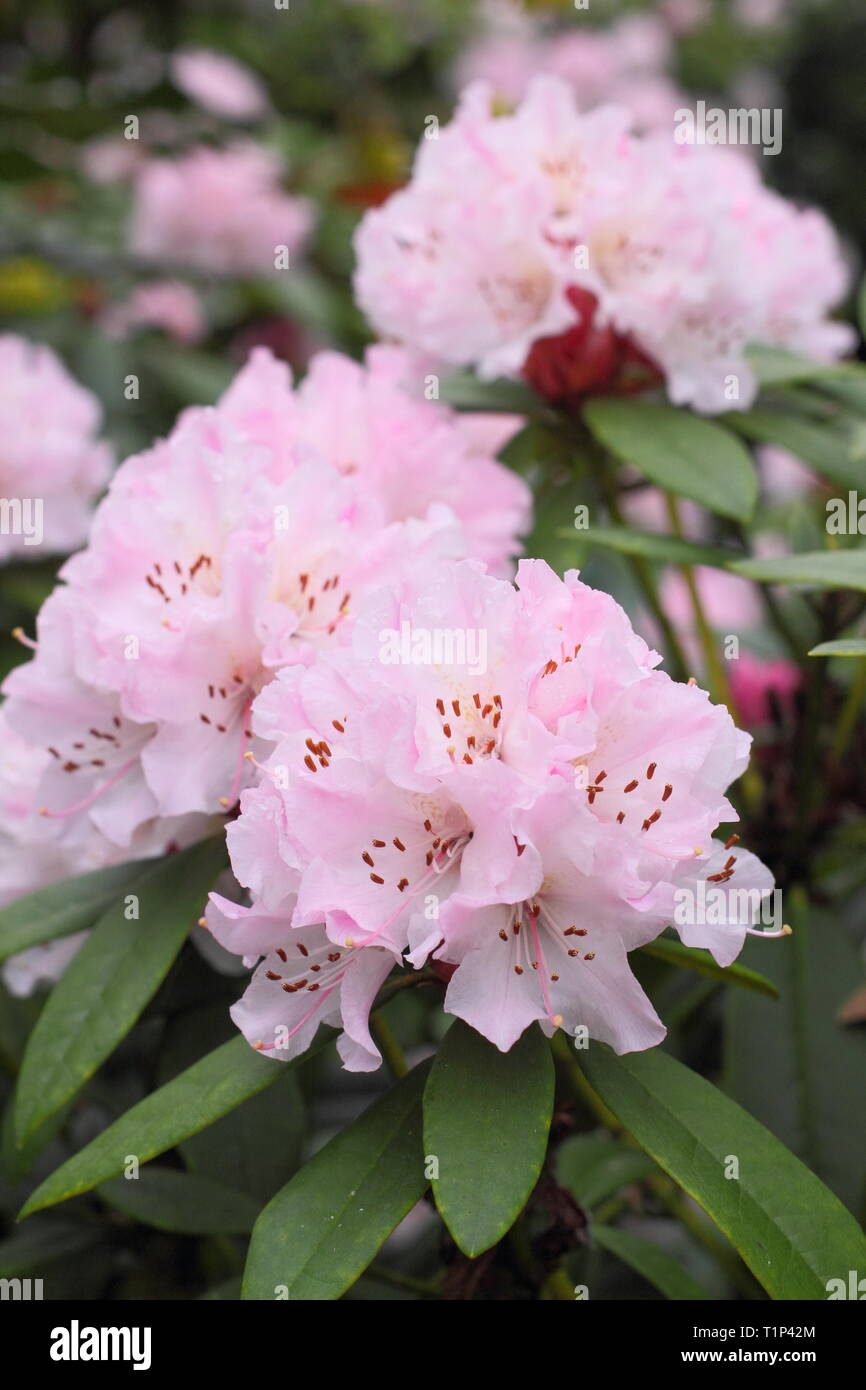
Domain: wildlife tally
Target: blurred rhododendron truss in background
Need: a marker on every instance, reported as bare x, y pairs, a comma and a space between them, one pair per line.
432, 655
559, 245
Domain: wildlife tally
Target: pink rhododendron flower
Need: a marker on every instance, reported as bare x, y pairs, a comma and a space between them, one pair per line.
523, 801
31, 857
240, 544
757, 683
783, 475
166, 304
219, 84
218, 210
53, 466
563, 246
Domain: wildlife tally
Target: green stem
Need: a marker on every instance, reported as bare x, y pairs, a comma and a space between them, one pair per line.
581, 1088
388, 1045
849, 714
677, 1206
715, 670
644, 576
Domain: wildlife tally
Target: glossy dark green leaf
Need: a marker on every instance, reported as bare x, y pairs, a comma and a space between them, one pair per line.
258, 1146
681, 452
210, 1088
695, 958
71, 905
810, 1086
320, 1232
651, 1262
180, 1202
114, 975
790, 1229
818, 569
486, 1120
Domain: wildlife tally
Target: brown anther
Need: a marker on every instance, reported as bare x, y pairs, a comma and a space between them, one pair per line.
368, 859
341, 729
620, 817
398, 844
376, 879
650, 770
631, 786
667, 791
309, 762
590, 955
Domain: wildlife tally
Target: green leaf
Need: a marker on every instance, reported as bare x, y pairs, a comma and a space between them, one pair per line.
695, 958
210, 1088
29, 1251
191, 376
651, 546
466, 392
653, 1264
486, 1119
790, 1230
107, 985
258, 1146
320, 1232
680, 452
811, 1082
773, 365
830, 448
71, 905
175, 1201
816, 569
843, 646
595, 1166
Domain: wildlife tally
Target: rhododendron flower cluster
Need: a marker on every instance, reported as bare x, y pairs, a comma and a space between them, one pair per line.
521, 810
169, 305
564, 246
53, 465
627, 61
238, 545
220, 210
